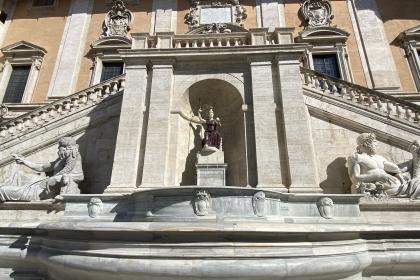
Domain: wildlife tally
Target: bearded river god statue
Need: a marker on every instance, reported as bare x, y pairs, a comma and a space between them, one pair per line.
371, 173
66, 173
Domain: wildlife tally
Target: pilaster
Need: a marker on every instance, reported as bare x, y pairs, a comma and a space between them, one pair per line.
158, 131
266, 136
303, 175
126, 168
383, 72
66, 70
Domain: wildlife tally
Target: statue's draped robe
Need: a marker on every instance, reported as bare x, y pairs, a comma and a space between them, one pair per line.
24, 187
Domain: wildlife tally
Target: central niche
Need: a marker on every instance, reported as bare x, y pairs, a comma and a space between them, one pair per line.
226, 102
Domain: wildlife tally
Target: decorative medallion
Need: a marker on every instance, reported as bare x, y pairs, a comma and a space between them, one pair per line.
317, 13
258, 204
201, 202
117, 20
95, 206
326, 207
215, 14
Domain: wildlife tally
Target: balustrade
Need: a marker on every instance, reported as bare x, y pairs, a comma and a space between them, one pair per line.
59, 108
368, 98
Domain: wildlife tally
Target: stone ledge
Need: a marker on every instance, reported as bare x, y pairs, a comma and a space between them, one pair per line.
397, 204
32, 205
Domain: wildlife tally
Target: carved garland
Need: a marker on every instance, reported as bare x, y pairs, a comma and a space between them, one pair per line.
193, 16
317, 13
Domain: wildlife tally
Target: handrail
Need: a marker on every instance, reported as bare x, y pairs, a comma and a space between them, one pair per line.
46, 113
375, 100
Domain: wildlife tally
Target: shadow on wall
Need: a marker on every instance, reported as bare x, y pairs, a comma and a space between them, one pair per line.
338, 180
97, 146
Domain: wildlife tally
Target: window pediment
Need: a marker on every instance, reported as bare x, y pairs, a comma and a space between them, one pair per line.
324, 34
23, 48
112, 42
412, 34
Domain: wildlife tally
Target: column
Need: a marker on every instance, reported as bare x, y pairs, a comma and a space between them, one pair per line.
271, 14
66, 70
126, 169
158, 130
265, 122
164, 16
375, 44
303, 174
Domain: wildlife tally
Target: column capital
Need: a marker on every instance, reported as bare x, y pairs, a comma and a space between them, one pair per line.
260, 60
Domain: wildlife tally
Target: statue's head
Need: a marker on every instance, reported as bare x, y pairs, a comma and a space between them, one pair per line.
366, 143
414, 147
67, 147
211, 113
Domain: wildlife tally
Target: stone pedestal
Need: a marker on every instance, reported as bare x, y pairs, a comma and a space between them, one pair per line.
211, 167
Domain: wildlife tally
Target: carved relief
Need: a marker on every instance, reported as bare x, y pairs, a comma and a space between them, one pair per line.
201, 202
117, 20
317, 12
258, 204
326, 207
236, 10
95, 206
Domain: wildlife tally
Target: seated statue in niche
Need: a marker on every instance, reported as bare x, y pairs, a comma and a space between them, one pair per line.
372, 174
212, 139
65, 175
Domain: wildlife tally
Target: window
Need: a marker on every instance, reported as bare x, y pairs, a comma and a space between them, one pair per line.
17, 83
410, 40
43, 3
20, 73
111, 69
327, 64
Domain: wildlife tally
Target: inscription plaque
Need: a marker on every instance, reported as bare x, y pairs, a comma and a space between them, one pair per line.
210, 15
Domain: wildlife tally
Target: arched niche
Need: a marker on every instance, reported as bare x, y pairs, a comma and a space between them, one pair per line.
227, 103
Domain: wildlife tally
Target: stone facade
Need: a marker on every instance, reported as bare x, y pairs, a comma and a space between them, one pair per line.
273, 199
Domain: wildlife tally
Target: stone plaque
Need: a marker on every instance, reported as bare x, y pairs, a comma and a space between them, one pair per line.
215, 15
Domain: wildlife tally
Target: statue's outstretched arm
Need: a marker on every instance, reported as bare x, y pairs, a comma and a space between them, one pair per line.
202, 120
45, 167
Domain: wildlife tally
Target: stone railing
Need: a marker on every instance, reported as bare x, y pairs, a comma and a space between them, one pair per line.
368, 98
255, 36
59, 108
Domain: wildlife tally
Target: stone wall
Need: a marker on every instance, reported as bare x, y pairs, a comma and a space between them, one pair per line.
43, 27
399, 16
333, 144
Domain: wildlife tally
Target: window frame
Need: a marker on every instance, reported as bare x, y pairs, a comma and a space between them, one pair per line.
106, 50
22, 54
410, 40
339, 50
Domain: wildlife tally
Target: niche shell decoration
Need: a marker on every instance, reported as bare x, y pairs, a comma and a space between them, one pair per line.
117, 20
317, 13
326, 207
201, 202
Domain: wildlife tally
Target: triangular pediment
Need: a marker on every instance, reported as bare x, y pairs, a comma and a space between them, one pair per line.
411, 34
325, 34
23, 46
